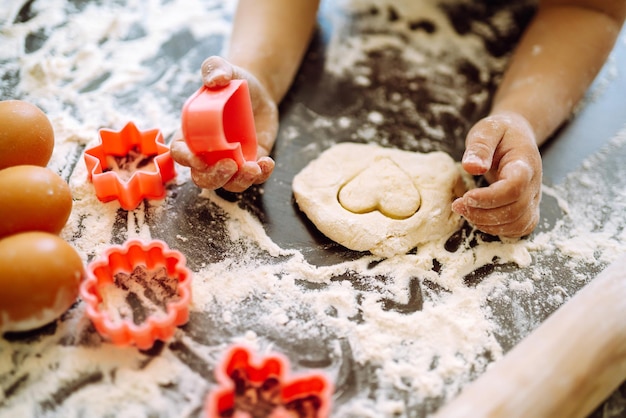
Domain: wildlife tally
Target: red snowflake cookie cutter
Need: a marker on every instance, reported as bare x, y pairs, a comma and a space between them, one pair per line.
125, 259
218, 123
142, 183
262, 384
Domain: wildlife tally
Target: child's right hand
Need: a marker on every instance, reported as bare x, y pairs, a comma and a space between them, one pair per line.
502, 147
216, 72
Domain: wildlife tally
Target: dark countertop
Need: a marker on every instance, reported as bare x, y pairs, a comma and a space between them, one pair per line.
332, 100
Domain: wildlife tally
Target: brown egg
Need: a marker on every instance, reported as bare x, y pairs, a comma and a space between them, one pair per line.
26, 134
40, 275
33, 198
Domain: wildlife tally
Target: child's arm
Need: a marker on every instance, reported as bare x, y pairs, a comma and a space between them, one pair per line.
558, 57
266, 47
270, 38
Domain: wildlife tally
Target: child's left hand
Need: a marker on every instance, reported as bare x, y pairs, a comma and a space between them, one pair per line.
502, 147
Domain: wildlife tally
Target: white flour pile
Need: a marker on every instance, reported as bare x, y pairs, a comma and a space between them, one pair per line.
397, 337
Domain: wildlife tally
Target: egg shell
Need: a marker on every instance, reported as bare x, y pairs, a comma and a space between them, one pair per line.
26, 134
40, 275
33, 198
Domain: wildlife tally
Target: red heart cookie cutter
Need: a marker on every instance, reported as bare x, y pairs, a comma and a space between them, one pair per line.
218, 123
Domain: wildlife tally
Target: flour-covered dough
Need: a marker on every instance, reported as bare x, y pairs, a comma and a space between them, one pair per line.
383, 200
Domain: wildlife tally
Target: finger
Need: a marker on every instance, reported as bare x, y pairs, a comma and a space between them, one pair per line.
179, 149
244, 178
216, 72
181, 153
266, 164
480, 145
514, 182
215, 176
496, 195
515, 219
491, 217
266, 124
521, 227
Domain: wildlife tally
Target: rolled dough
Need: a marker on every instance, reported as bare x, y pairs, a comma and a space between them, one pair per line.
383, 200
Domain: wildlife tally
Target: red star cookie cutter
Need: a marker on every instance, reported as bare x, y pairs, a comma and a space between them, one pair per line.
151, 272
261, 386
218, 123
142, 182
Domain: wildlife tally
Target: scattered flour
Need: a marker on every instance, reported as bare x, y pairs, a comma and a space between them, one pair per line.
397, 336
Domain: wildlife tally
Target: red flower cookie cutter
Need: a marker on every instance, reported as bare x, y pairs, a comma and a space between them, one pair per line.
218, 123
261, 386
143, 183
149, 256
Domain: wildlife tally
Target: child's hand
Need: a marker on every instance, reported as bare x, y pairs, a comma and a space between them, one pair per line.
225, 173
503, 148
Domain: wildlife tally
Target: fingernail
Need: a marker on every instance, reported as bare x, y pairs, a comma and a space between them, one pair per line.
472, 158
214, 77
218, 73
458, 206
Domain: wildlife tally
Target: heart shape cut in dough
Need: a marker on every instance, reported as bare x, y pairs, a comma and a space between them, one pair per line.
382, 186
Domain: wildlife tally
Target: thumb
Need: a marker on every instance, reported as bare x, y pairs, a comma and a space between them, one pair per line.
480, 145
216, 72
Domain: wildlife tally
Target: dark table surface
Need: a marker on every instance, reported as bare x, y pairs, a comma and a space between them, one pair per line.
416, 107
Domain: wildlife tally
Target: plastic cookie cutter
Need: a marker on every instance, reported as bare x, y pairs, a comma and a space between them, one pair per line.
260, 388
137, 293
218, 123
129, 165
